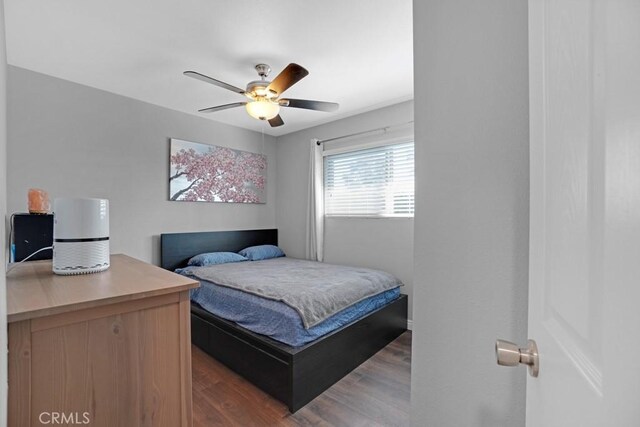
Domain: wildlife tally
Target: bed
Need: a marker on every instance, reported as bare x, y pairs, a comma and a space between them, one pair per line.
292, 374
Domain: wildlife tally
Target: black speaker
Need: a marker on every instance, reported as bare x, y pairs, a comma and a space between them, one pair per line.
30, 233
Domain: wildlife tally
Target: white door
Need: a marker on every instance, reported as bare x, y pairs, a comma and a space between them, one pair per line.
584, 308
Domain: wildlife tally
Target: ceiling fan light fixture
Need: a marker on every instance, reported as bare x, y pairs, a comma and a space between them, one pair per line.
262, 109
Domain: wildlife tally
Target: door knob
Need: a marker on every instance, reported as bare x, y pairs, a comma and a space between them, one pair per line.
508, 354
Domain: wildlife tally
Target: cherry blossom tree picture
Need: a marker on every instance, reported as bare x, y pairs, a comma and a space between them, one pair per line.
209, 173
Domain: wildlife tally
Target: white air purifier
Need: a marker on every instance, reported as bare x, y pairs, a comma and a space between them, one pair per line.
80, 236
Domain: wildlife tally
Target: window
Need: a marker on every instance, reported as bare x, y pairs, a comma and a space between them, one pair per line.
370, 182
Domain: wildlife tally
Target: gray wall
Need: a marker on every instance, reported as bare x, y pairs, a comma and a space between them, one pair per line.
471, 223
3, 210
377, 243
77, 141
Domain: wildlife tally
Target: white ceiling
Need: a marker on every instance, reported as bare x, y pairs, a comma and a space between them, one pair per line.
359, 52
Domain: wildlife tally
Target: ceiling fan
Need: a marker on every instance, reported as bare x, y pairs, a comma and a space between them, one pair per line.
264, 95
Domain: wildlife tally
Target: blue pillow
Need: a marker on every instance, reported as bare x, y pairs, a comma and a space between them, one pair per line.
214, 258
257, 253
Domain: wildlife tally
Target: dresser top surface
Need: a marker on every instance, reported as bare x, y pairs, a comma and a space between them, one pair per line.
34, 291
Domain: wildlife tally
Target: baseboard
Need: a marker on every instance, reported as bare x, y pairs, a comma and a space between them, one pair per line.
410, 324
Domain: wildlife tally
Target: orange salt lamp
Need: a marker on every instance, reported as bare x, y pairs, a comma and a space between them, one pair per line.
38, 201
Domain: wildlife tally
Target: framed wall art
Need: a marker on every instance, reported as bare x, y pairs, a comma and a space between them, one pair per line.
210, 173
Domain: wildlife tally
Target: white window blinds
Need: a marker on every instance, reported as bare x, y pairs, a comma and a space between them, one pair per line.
371, 182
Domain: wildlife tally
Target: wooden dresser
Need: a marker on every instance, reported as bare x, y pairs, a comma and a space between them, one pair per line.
111, 348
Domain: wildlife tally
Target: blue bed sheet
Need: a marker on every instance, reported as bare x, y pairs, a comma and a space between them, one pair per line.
276, 319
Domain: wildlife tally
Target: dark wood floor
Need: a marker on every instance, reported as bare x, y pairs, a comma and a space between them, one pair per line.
375, 394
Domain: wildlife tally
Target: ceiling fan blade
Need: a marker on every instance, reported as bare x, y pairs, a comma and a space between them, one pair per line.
276, 121
310, 105
291, 75
222, 107
207, 79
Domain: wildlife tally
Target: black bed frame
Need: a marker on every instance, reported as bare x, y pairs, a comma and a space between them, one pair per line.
293, 375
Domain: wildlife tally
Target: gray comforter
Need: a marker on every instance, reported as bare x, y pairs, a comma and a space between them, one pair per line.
316, 290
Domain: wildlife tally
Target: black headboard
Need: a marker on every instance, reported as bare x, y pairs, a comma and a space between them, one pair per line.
177, 248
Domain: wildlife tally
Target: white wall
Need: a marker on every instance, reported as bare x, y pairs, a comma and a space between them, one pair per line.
3, 210
471, 223
385, 244
77, 141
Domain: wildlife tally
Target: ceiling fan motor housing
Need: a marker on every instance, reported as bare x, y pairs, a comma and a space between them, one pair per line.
258, 88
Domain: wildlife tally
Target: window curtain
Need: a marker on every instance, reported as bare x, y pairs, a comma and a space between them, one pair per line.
315, 205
